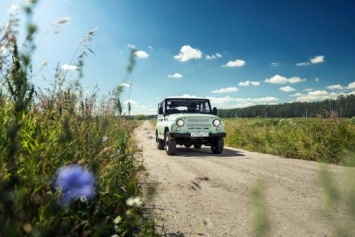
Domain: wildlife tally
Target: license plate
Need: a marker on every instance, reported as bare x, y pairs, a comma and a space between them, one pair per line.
199, 134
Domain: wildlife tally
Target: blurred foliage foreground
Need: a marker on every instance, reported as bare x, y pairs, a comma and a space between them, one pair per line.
66, 170
67, 162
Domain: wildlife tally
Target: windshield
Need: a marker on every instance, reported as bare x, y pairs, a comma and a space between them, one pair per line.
188, 106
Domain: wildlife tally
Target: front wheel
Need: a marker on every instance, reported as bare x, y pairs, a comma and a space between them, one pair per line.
160, 142
170, 144
217, 145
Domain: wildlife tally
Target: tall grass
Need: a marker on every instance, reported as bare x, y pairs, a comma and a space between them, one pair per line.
315, 139
43, 135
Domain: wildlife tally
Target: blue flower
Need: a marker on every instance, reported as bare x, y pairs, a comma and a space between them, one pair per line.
75, 182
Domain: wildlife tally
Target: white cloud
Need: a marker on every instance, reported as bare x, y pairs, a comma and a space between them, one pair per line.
187, 53
67, 67
303, 64
335, 87
248, 83
246, 102
317, 59
244, 83
187, 96
141, 54
176, 75
226, 90
316, 79
293, 80
287, 89
318, 95
277, 79
275, 64
214, 56
235, 63
220, 102
297, 94
262, 100
131, 46
351, 85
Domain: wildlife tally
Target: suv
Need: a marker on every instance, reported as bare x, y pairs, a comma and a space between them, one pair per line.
188, 122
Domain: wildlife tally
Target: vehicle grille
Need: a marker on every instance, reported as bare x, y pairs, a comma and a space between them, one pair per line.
198, 123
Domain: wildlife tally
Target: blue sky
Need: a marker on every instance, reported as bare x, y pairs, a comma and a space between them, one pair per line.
237, 53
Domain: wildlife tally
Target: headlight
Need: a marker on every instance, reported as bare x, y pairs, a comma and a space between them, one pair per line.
216, 122
180, 122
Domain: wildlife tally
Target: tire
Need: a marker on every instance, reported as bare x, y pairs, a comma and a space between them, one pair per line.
217, 145
160, 143
170, 144
197, 146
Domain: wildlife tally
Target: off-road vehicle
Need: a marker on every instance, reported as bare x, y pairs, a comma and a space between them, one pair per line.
188, 122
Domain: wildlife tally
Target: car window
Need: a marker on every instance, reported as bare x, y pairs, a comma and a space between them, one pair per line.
187, 105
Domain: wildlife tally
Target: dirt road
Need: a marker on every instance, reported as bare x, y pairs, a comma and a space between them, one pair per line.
201, 194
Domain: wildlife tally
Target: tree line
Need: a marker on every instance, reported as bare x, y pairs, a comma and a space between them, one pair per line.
343, 106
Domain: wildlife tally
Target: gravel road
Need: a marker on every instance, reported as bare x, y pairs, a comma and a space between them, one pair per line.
201, 194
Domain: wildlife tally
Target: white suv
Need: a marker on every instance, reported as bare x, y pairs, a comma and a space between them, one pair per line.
188, 122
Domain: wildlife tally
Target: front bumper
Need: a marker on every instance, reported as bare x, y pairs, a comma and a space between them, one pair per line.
188, 135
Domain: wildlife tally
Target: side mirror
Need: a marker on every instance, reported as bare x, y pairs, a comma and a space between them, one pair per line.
160, 111
214, 111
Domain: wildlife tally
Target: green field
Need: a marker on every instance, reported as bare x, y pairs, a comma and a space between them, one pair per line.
326, 140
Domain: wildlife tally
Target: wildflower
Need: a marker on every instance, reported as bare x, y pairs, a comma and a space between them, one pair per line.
134, 201
75, 182
117, 220
104, 139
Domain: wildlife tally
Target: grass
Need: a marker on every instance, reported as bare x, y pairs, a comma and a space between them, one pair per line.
317, 139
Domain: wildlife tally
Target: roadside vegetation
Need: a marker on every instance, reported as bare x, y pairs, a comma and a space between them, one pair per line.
318, 139
68, 162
